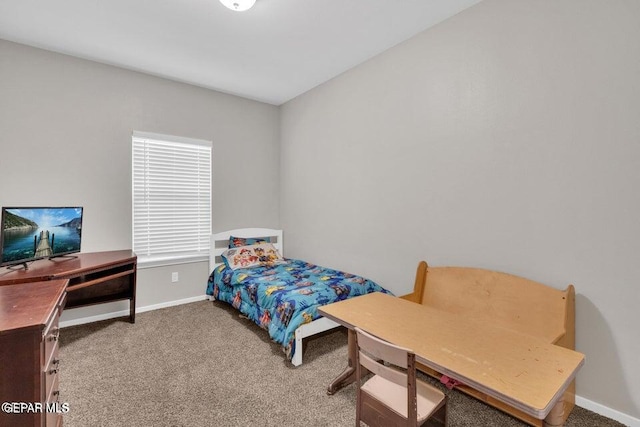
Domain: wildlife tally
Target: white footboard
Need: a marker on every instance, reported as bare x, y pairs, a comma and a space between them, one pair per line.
319, 325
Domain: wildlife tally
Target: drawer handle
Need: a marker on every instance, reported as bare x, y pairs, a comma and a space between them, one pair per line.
55, 335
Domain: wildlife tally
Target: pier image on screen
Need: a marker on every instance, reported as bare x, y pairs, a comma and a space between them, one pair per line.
33, 233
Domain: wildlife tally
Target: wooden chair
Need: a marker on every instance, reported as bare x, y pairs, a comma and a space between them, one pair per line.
393, 396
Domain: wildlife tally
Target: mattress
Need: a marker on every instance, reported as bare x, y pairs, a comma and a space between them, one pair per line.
281, 298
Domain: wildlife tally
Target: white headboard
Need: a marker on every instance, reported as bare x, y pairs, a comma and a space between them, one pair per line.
220, 241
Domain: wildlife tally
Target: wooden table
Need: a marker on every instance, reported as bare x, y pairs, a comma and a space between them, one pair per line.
518, 369
94, 277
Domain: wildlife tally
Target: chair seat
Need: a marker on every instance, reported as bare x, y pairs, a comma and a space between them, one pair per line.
395, 396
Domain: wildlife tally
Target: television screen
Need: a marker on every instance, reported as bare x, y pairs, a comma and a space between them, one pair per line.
33, 233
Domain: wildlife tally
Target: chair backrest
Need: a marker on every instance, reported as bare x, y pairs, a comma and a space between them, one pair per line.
383, 358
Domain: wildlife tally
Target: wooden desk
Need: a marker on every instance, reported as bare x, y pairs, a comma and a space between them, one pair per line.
94, 277
518, 369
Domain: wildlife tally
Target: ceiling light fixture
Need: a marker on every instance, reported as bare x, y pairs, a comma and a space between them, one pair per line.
238, 5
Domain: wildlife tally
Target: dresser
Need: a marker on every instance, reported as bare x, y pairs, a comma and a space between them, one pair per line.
29, 360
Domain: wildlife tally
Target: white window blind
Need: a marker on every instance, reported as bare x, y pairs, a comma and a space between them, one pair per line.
171, 197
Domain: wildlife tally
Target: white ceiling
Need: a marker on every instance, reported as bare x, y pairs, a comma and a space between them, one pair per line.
273, 52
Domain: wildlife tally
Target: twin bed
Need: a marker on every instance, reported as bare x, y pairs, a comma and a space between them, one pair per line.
280, 295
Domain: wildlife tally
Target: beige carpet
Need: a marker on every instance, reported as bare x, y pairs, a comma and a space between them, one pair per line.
201, 364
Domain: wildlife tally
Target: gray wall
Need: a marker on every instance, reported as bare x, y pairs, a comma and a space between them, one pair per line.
507, 138
65, 140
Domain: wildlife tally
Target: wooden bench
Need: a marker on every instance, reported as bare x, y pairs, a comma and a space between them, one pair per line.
506, 301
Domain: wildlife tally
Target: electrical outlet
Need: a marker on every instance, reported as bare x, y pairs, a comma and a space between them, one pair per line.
174, 276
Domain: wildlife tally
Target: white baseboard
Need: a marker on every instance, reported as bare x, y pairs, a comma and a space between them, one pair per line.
598, 408
605, 411
112, 315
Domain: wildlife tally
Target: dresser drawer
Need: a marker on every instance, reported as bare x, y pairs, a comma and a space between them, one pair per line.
51, 335
53, 418
51, 371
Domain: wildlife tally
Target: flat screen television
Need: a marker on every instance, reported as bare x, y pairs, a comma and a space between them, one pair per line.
32, 233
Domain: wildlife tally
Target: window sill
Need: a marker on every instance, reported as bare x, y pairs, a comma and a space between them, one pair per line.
152, 262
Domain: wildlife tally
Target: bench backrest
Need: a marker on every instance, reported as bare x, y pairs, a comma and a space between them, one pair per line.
501, 299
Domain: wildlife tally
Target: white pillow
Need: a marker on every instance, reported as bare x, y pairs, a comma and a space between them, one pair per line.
261, 254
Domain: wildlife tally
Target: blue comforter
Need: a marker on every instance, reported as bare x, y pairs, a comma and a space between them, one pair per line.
281, 298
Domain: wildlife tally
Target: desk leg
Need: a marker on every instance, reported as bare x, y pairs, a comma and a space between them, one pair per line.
556, 416
132, 310
132, 301
349, 374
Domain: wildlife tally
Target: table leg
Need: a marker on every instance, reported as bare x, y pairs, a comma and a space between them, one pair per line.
349, 374
556, 416
132, 310
132, 301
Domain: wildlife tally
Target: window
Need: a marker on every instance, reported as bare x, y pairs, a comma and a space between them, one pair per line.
171, 198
